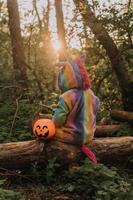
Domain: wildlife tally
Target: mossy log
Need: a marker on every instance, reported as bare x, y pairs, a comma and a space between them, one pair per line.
20, 155
122, 116
106, 130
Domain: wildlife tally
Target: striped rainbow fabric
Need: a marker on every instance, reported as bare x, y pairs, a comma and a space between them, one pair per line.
75, 115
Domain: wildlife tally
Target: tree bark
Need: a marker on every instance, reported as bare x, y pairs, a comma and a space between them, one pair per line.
122, 116
60, 28
20, 155
117, 61
17, 44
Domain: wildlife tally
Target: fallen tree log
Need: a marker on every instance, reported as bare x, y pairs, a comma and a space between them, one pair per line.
20, 155
106, 130
122, 116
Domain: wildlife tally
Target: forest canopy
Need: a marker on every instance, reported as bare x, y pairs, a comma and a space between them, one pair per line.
44, 29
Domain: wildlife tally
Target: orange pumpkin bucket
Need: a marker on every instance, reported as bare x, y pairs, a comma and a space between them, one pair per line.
44, 128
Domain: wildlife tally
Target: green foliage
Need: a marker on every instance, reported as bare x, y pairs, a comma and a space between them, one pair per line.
117, 20
22, 123
50, 170
10, 195
98, 182
125, 130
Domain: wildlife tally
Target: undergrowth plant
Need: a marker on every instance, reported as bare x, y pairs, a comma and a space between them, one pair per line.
8, 194
99, 182
90, 182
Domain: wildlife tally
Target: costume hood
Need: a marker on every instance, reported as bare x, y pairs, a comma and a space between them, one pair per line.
73, 75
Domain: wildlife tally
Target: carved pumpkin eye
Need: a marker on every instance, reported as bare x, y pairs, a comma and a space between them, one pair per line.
44, 128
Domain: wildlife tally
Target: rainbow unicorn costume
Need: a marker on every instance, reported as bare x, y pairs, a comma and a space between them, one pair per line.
75, 115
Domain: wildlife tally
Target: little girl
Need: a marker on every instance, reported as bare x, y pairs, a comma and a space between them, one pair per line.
75, 115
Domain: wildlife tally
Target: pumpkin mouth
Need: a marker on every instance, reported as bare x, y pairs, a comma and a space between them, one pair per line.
41, 135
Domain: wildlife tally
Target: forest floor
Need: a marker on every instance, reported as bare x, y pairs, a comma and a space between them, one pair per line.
86, 183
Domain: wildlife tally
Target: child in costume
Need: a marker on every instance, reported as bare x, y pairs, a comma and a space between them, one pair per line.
75, 115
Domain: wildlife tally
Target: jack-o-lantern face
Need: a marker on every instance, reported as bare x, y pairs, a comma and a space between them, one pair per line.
44, 128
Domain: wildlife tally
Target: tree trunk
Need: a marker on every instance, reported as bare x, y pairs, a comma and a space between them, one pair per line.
122, 116
117, 61
60, 28
34, 3
16, 42
21, 155
46, 13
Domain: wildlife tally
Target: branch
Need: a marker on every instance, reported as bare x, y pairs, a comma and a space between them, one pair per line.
36, 77
101, 81
15, 115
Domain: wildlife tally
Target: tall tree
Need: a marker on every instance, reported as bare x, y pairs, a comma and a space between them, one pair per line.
46, 28
117, 60
46, 13
17, 44
60, 27
37, 14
